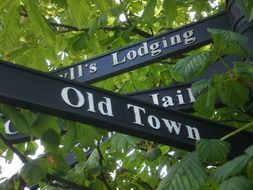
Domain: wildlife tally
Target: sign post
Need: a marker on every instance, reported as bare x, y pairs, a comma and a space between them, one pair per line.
166, 45
52, 95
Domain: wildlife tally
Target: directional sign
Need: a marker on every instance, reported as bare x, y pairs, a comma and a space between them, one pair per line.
148, 51
52, 95
175, 97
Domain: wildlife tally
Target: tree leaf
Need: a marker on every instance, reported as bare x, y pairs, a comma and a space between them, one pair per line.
233, 93
121, 142
205, 103
237, 183
17, 119
244, 70
9, 36
87, 135
39, 23
152, 154
232, 168
199, 86
186, 174
249, 151
79, 12
170, 11
51, 140
247, 6
34, 171
149, 11
212, 151
226, 43
42, 123
190, 67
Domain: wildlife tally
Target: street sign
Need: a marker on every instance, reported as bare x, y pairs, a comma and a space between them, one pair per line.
175, 97
52, 95
150, 50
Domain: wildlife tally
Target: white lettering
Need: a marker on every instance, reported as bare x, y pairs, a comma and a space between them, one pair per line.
91, 107
143, 50
115, 59
188, 37
137, 113
193, 133
105, 107
172, 125
192, 99
175, 40
131, 55
65, 97
167, 101
155, 98
7, 130
180, 97
93, 68
154, 122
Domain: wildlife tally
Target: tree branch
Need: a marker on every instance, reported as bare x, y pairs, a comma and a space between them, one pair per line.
101, 164
51, 179
69, 28
13, 149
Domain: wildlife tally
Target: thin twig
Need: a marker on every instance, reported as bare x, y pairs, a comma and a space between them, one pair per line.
237, 131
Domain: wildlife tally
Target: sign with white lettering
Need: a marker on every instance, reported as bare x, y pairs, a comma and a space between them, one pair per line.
52, 95
175, 97
148, 51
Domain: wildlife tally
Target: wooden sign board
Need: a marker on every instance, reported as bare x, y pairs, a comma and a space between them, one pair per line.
52, 95
166, 45
176, 97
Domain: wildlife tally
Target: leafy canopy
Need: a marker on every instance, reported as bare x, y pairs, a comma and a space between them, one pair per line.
46, 35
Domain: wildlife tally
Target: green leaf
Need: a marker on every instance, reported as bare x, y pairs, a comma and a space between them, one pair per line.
92, 164
149, 11
79, 154
243, 70
58, 162
5, 4
237, 183
17, 119
247, 6
232, 168
233, 93
190, 67
205, 103
97, 184
186, 174
121, 142
226, 43
43, 123
9, 36
39, 23
79, 12
71, 137
102, 5
170, 10
152, 154
51, 140
34, 57
212, 151
80, 41
34, 171
199, 86
249, 170
249, 151
87, 135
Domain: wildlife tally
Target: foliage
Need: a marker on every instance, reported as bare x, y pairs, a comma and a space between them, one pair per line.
46, 35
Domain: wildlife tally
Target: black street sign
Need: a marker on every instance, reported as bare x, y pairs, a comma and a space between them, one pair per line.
52, 95
175, 97
151, 50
